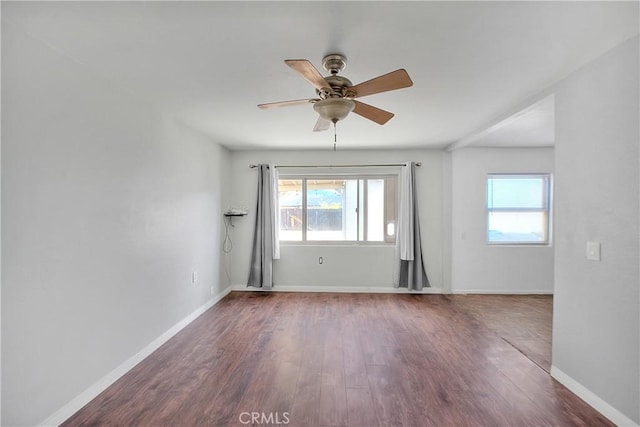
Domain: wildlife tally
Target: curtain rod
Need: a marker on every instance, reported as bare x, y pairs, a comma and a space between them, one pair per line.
338, 166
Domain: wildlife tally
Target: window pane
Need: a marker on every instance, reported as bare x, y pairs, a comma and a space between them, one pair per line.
361, 209
327, 204
290, 201
518, 208
528, 192
390, 190
517, 227
351, 209
375, 210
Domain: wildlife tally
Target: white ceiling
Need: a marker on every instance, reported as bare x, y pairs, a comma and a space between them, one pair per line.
210, 63
534, 126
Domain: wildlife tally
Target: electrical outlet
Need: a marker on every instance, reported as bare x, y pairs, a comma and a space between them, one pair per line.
593, 251
211, 290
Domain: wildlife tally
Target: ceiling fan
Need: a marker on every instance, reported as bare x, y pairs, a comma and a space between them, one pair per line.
336, 94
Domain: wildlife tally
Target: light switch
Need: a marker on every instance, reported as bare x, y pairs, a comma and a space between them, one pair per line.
593, 251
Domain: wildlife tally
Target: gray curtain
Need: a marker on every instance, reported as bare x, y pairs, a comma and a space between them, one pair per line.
409, 271
265, 238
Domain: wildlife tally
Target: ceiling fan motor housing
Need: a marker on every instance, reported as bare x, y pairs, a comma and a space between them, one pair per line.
339, 87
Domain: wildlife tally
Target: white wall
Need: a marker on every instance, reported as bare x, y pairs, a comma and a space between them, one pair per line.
0, 241
107, 209
596, 337
476, 266
344, 266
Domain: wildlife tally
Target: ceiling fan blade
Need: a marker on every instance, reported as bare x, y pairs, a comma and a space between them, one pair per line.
391, 81
372, 113
321, 124
286, 103
309, 72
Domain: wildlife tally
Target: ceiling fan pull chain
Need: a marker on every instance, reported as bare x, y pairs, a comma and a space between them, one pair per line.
335, 136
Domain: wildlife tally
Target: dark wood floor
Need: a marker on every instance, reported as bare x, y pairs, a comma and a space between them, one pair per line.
524, 321
337, 360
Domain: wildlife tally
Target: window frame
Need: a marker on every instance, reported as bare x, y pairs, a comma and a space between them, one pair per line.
389, 214
546, 209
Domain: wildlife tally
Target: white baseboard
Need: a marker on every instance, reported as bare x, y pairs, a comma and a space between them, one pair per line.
501, 292
339, 289
615, 416
89, 394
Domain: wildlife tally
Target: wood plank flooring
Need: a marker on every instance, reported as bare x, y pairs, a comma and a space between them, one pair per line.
359, 360
524, 321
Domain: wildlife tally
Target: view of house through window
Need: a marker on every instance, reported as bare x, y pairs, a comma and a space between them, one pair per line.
338, 208
518, 208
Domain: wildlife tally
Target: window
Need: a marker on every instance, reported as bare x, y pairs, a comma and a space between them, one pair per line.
338, 208
518, 208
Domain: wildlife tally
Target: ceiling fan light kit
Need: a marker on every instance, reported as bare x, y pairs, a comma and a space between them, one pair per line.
334, 109
336, 94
